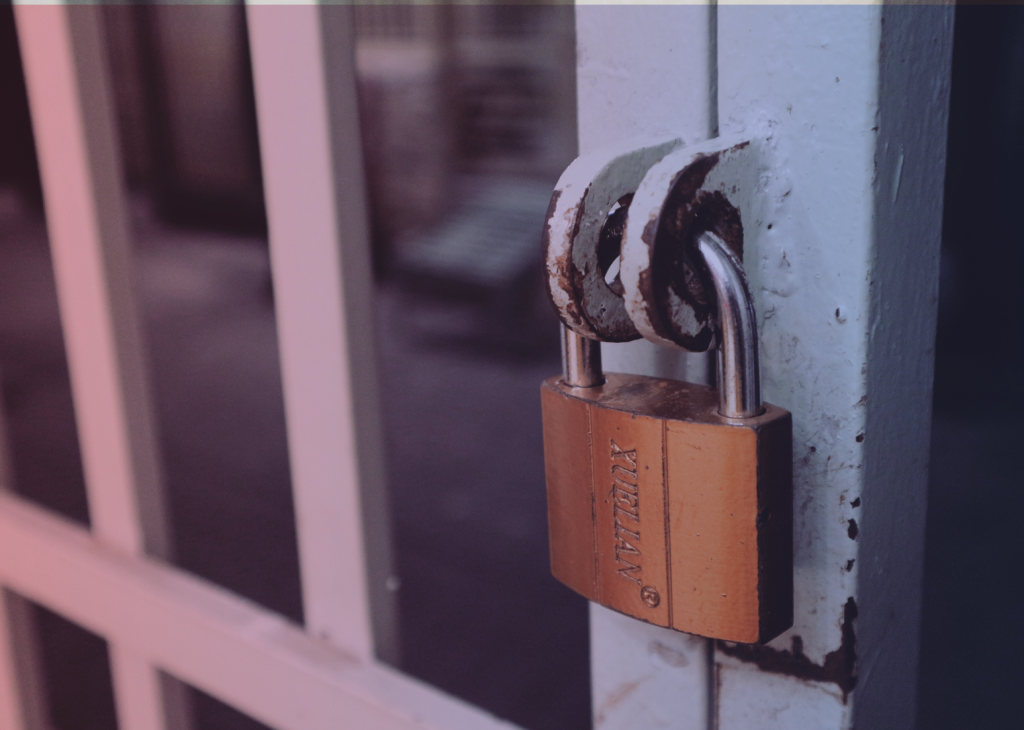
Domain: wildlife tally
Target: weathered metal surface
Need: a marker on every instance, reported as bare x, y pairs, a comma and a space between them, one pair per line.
588, 191
707, 187
685, 237
849, 103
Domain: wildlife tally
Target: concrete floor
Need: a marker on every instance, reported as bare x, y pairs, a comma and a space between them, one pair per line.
480, 616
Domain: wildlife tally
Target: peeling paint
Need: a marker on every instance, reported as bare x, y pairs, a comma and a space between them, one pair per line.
668, 293
578, 222
609, 245
839, 666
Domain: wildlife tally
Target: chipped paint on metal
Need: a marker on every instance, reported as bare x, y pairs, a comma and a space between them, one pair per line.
711, 186
839, 667
841, 259
585, 194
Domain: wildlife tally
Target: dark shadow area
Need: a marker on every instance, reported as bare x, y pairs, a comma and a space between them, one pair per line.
477, 106
76, 674
18, 166
972, 643
216, 377
209, 712
187, 113
481, 616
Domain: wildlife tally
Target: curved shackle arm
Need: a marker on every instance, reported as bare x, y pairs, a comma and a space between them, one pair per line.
739, 377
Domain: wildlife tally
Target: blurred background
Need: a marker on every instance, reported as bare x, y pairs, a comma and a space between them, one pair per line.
468, 116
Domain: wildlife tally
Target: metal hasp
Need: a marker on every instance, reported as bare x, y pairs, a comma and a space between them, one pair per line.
711, 187
577, 254
739, 378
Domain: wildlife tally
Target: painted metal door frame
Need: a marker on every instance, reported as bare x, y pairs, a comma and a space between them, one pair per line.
844, 270
852, 101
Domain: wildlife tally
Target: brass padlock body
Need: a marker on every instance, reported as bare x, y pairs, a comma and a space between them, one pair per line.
662, 509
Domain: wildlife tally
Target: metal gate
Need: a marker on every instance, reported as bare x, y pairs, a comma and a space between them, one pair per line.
852, 102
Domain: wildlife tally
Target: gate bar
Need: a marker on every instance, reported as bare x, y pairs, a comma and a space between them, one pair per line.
70, 97
304, 76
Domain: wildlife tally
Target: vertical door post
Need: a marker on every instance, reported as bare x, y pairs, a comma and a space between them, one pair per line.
848, 106
853, 102
646, 71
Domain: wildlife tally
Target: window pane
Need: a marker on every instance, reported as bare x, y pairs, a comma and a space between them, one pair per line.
188, 131
469, 117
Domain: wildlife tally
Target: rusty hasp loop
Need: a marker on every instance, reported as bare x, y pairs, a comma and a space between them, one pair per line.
668, 291
582, 236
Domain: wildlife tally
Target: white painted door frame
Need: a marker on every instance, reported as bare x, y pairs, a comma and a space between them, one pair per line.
852, 101
844, 271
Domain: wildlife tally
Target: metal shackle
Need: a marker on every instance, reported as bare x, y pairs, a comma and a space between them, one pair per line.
581, 360
739, 376
678, 193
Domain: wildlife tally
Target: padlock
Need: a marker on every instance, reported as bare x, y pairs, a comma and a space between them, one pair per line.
669, 501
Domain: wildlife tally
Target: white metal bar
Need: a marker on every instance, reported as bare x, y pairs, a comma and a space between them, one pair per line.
23, 695
138, 690
304, 74
221, 643
23, 699
844, 271
73, 121
642, 71
12, 710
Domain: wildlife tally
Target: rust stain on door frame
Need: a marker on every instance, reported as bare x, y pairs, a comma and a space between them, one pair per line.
839, 667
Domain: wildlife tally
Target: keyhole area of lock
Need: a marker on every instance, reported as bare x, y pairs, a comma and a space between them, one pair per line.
609, 244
